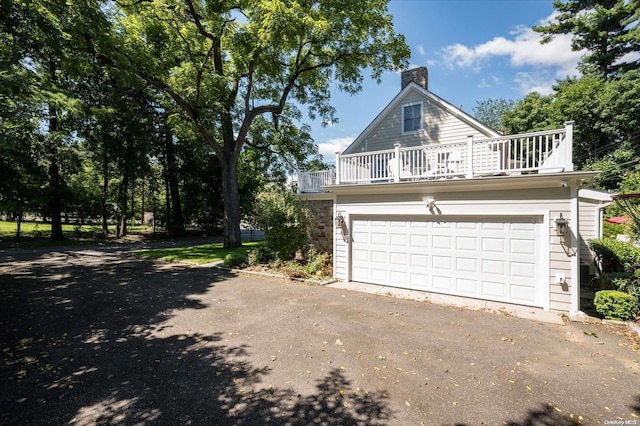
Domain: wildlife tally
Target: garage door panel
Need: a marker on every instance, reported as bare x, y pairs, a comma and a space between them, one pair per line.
523, 226
419, 281
361, 274
467, 243
495, 245
493, 226
494, 267
441, 282
469, 286
491, 258
360, 255
398, 277
521, 246
398, 239
398, 259
465, 264
360, 237
419, 260
378, 238
378, 256
522, 293
419, 241
523, 270
494, 289
441, 242
442, 262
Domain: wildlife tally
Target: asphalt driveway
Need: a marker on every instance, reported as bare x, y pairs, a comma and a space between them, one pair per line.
96, 337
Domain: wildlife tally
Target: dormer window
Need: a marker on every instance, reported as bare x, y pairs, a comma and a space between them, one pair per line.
411, 117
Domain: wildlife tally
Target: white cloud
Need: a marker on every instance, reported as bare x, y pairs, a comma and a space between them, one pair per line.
491, 81
420, 49
523, 49
330, 147
540, 82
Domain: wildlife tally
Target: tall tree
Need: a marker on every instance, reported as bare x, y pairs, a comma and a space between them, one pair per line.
607, 29
225, 63
492, 111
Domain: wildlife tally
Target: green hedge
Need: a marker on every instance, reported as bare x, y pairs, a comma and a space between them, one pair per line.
615, 256
616, 305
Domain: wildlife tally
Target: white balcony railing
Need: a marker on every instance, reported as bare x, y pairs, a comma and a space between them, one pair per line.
539, 152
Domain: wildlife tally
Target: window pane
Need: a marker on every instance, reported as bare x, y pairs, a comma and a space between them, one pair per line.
412, 116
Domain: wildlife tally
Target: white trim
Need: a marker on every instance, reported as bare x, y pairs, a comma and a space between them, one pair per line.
594, 195
421, 121
545, 264
575, 249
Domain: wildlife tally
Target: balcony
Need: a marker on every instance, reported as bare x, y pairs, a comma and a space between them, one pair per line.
528, 153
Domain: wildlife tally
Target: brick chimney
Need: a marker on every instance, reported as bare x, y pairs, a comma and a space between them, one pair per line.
418, 75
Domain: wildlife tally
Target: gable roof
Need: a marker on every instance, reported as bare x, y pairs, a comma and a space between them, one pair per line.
433, 99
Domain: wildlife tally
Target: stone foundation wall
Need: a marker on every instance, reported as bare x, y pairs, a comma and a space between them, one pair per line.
321, 232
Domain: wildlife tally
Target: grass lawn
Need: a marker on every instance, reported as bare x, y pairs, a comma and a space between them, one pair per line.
42, 229
204, 253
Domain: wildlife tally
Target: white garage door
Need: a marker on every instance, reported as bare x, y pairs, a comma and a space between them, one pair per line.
489, 258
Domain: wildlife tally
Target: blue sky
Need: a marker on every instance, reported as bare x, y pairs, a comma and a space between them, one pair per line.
474, 50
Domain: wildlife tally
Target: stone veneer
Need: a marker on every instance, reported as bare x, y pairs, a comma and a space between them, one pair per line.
321, 232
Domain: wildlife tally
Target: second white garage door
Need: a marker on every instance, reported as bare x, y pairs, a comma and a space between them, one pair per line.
493, 258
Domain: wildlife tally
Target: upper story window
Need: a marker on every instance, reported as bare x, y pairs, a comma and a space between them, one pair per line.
411, 117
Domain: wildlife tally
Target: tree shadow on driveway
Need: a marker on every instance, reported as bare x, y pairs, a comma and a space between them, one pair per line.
84, 341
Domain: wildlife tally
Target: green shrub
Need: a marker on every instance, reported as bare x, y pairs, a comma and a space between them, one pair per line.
615, 280
615, 256
259, 255
616, 305
233, 260
284, 220
611, 230
318, 263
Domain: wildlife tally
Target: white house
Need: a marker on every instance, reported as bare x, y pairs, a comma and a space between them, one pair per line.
428, 198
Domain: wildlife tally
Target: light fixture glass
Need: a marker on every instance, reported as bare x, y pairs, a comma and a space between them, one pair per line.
561, 225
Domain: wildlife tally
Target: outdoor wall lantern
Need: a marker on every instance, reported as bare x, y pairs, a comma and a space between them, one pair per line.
561, 226
339, 221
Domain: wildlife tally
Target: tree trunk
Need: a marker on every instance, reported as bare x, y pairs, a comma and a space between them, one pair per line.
122, 206
55, 208
142, 221
231, 194
105, 194
176, 220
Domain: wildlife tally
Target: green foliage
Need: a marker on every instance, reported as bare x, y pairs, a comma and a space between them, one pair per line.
492, 111
615, 256
608, 30
284, 220
611, 230
317, 265
616, 305
534, 112
233, 260
260, 255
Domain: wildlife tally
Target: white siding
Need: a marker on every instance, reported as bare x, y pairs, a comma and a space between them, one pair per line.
439, 126
588, 230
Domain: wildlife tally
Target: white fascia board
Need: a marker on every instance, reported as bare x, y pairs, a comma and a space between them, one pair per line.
549, 180
594, 195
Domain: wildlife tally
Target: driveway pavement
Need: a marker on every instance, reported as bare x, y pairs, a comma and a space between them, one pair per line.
96, 337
